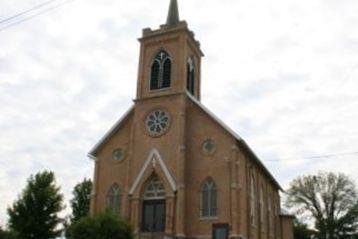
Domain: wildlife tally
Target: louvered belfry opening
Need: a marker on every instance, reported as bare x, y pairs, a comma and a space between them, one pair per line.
161, 71
190, 82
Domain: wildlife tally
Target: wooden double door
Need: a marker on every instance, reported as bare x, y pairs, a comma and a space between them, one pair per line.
153, 216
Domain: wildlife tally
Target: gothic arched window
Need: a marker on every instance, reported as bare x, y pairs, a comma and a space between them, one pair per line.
252, 201
160, 75
154, 189
190, 80
209, 199
114, 199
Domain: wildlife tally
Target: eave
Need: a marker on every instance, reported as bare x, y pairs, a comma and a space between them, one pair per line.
114, 129
239, 140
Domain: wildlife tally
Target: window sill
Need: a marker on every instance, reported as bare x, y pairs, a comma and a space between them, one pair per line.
209, 218
159, 90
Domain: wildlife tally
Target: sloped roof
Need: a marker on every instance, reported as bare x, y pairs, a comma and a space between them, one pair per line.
240, 141
238, 138
110, 133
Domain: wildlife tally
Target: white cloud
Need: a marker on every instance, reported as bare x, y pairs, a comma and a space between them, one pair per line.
290, 67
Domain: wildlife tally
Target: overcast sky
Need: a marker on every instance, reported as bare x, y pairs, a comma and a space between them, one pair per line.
282, 73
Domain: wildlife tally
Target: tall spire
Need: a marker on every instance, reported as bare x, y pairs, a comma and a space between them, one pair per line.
173, 14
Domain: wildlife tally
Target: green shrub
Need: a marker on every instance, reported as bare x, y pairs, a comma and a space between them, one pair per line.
102, 226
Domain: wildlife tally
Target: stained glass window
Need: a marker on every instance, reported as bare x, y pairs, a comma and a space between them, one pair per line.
157, 122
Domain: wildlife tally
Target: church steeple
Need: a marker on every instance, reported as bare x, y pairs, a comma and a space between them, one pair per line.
170, 59
173, 13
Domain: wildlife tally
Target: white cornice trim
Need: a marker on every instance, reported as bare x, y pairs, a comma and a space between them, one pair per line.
110, 132
153, 158
219, 121
235, 135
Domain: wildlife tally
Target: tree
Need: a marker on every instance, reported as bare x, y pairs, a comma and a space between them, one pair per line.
330, 200
80, 202
4, 234
35, 214
102, 226
301, 231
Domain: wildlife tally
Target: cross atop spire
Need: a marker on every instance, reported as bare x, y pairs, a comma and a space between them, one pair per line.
173, 14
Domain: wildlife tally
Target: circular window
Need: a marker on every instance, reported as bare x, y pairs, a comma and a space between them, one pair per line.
209, 146
157, 122
118, 154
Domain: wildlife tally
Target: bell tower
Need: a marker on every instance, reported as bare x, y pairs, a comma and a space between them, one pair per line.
170, 59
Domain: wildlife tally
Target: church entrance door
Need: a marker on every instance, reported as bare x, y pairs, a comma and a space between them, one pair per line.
153, 210
220, 231
153, 216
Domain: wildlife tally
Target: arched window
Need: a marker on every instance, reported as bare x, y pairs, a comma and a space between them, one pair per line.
262, 209
190, 80
209, 199
114, 199
154, 190
161, 71
252, 201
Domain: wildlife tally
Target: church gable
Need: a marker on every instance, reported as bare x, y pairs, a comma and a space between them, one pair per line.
229, 139
121, 127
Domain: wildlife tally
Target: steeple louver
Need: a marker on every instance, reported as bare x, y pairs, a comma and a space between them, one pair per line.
173, 14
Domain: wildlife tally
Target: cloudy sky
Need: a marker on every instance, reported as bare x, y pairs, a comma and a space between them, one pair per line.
281, 73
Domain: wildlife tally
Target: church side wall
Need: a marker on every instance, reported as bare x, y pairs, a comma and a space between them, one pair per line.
266, 225
111, 171
287, 227
200, 166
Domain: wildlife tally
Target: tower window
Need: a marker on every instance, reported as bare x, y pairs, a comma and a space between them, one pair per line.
160, 76
190, 82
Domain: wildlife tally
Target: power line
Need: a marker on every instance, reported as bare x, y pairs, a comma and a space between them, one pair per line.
35, 15
314, 157
27, 11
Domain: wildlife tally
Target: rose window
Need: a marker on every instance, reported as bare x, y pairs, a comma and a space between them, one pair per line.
209, 146
157, 122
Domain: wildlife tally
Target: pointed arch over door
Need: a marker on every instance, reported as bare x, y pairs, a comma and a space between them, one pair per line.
154, 206
154, 163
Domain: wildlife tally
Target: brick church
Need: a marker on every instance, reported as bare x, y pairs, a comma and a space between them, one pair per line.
170, 166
